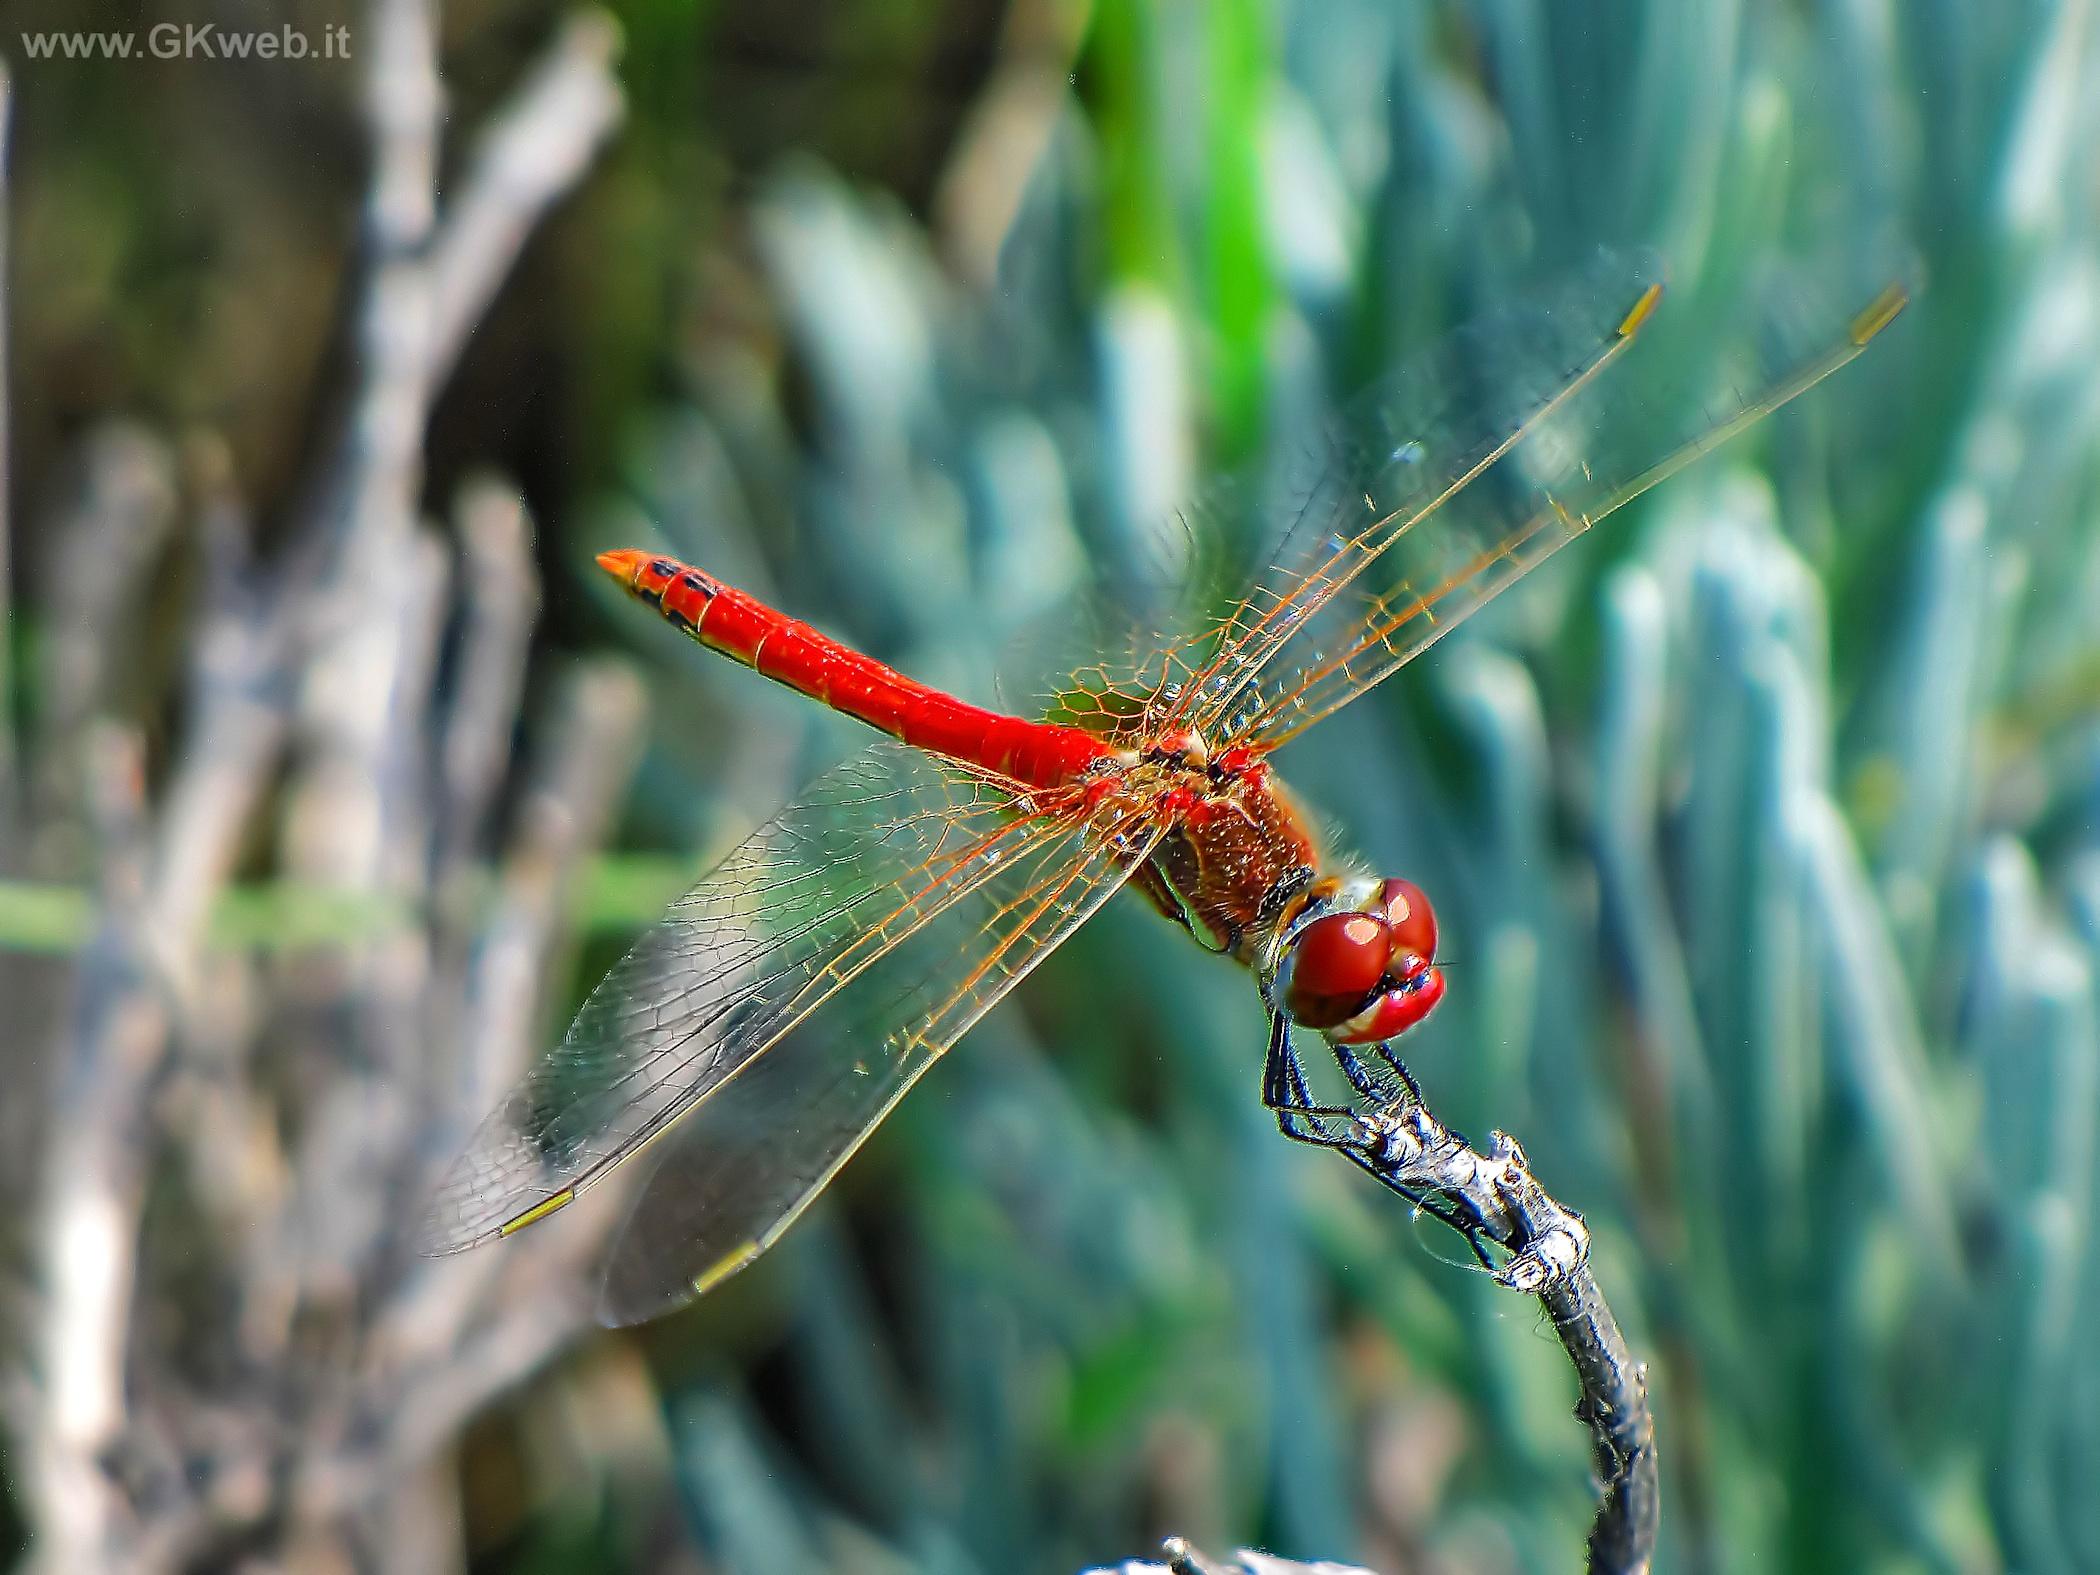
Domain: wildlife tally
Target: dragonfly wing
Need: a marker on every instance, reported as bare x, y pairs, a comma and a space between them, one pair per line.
1368, 583
881, 848
1313, 523
739, 1169
1429, 494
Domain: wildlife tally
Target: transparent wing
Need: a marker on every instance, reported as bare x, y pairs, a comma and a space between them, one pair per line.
1314, 524
1386, 583
1430, 494
736, 1172
886, 847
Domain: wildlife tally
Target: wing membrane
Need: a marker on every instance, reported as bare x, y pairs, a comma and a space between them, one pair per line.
878, 851
1429, 495
1583, 459
1315, 523
739, 1169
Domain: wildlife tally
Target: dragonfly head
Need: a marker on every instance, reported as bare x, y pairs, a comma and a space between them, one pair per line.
1361, 968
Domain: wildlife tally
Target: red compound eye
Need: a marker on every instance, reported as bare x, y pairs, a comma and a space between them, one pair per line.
1413, 920
1336, 964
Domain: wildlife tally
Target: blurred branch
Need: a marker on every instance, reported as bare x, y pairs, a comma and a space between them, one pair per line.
92, 1195
107, 531
309, 1369
463, 1330
431, 273
1003, 141
536, 151
236, 729
9, 786
500, 597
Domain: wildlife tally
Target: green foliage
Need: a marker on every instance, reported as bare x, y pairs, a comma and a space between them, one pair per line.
1731, 815
1765, 824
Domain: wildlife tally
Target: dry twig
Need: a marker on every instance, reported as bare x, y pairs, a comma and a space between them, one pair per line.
1548, 1246
308, 1099
1494, 1200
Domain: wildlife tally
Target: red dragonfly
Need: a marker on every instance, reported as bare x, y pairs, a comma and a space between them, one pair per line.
757, 1035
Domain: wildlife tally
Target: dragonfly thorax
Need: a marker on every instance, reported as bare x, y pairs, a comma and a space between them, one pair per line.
1180, 746
1237, 849
1356, 959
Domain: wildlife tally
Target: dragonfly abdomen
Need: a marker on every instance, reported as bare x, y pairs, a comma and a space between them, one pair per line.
790, 652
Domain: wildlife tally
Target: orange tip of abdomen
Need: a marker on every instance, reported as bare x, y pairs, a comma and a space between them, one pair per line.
621, 563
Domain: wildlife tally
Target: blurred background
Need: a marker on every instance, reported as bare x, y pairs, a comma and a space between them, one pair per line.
1764, 826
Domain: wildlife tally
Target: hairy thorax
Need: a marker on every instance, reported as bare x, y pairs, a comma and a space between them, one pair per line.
1240, 852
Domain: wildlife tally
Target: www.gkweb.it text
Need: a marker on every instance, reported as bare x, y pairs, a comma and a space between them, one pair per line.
191, 41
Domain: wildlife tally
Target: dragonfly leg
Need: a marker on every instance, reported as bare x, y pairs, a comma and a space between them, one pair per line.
1284, 1090
1384, 1051
1389, 1084
1393, 1088
1460, 1220
1340, 1126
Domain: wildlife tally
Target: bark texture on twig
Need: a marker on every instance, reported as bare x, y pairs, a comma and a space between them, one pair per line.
303, 1373
1494, 1198
1406, 1147
1178, 1556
